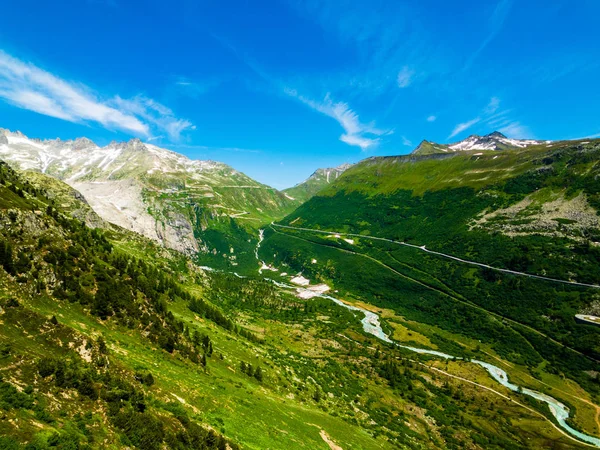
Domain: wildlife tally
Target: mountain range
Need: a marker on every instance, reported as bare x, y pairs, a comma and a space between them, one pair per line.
421, 301
196, 207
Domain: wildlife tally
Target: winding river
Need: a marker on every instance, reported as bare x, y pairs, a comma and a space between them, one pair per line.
372, 325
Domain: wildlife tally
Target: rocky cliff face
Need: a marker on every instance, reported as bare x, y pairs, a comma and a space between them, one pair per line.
188, 205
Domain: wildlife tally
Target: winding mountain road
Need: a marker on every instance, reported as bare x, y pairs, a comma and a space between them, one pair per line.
444, 255
453, 295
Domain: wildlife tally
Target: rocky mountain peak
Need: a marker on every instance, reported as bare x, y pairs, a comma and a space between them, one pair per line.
135, 144
81, 143
492, 141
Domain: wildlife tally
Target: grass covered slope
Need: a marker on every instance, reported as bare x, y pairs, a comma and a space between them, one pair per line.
109, 341
453, 202
532, 211
315, 183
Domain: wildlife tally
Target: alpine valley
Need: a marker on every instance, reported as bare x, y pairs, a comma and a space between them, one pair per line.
449, 298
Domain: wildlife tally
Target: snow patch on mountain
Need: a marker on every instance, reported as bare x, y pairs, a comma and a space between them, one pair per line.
492, 141
141, 187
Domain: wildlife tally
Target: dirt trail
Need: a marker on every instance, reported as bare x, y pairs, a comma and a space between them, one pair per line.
329, 441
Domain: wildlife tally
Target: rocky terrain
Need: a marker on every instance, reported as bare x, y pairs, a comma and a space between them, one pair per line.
156, 192
543, 212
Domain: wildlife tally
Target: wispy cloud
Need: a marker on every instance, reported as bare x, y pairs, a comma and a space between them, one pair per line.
495, 24
405, 77
431, 118
155, 138
356, 133
486, 115
406, 142
26, 86
464, 126
156, 114
389, 48
194, 89
492, 117
516, 130
492, 106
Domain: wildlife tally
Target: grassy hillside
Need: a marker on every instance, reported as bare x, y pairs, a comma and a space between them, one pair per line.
109, 341
532, 211
315, 183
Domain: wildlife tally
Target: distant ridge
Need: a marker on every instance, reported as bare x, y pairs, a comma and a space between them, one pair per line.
317, 181
492, 141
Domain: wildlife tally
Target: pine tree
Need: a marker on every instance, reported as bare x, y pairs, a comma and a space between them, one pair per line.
258, 374
317, 395
102, 348
149, 379
6, 257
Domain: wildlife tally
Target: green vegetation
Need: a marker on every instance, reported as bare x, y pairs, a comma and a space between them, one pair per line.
437, 202
110, 341
314, 184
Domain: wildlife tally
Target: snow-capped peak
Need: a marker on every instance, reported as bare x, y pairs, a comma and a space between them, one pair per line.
492, 141
74, 159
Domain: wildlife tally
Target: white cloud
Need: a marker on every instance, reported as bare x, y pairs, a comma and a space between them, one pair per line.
516, 131
431, 118
154, 138
356, 133
495, 119
405, 77
358, 141
492, 106
463, 126
406, 142
26, 86
156, 114
37, 102
382, 36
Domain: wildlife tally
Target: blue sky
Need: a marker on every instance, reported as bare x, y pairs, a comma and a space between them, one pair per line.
278, 88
